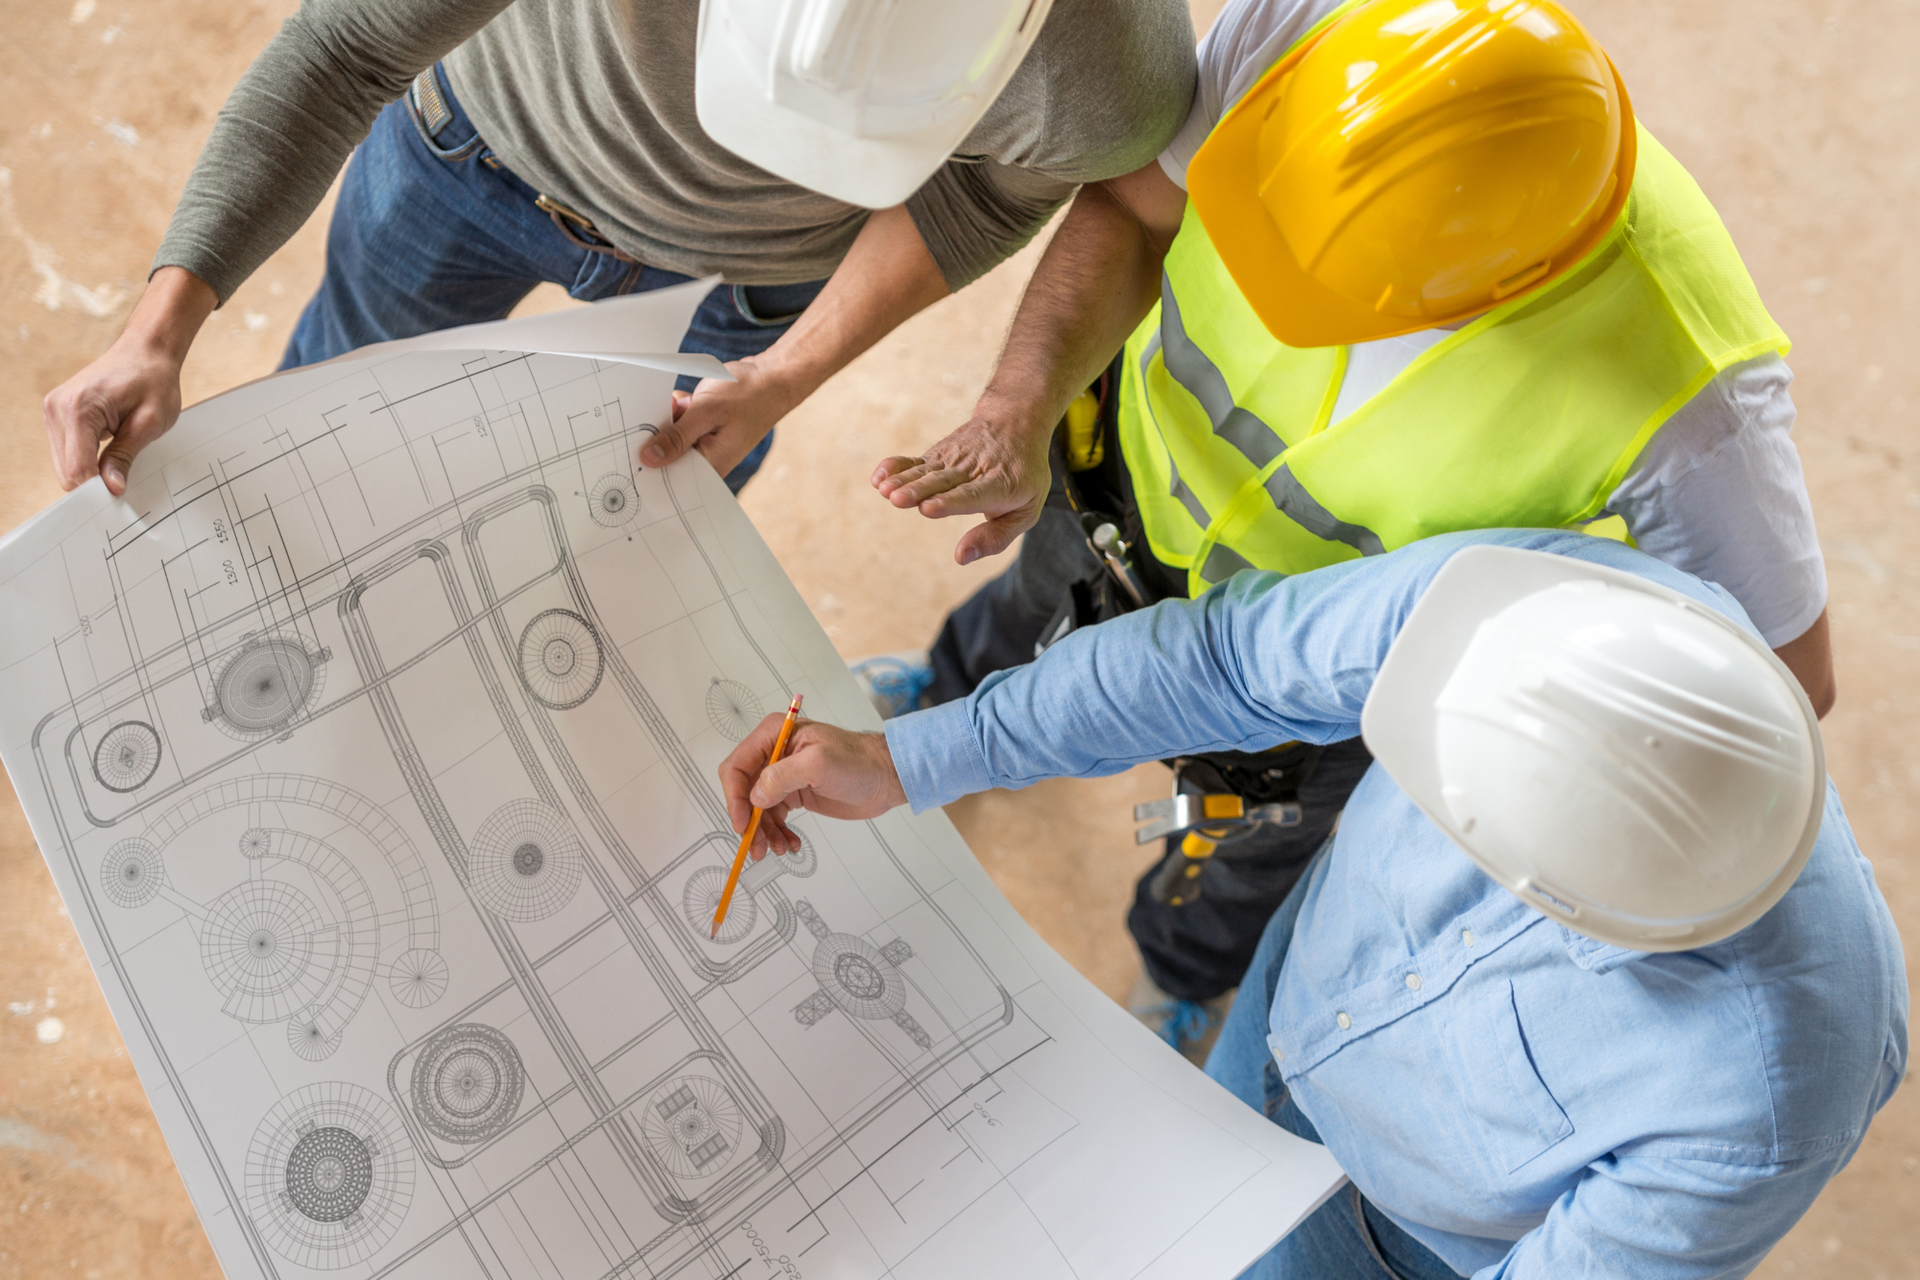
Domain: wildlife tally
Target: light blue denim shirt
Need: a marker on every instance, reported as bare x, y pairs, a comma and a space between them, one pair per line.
1523, 1100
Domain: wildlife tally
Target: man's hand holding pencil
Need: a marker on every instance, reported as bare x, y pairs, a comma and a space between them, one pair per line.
830, 771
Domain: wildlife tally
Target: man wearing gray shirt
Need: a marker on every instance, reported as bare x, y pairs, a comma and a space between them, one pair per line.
558, 140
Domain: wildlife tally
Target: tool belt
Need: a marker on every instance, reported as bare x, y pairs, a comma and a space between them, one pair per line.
1219, 797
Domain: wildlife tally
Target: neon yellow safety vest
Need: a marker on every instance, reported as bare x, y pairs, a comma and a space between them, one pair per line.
1528, 417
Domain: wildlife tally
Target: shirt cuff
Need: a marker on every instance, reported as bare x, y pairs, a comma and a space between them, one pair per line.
936, 755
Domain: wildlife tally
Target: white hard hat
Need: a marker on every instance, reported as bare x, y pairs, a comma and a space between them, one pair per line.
1625, 760
858, 99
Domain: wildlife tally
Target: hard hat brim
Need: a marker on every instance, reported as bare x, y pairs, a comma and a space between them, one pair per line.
875, 173
1295, 308
739, 108
1400, 723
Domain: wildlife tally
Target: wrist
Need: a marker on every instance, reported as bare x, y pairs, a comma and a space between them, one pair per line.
783, 378
169, 314
1017, 414
880, 754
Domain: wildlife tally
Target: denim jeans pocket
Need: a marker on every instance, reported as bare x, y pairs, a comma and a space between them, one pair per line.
771, 306
457, 139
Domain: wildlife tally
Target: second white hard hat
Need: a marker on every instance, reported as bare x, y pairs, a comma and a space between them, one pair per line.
1623, 759
858, 99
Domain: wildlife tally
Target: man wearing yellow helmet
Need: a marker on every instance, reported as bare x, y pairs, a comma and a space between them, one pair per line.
1411, 267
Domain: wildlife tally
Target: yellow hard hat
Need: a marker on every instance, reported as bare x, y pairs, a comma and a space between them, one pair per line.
1416, 163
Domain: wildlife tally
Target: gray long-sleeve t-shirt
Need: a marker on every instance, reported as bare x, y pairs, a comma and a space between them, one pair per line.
591, 102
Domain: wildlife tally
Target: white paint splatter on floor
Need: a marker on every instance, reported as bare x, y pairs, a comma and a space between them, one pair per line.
54, 291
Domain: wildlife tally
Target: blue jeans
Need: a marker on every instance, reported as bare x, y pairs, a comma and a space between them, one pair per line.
433, 232
1347, 1238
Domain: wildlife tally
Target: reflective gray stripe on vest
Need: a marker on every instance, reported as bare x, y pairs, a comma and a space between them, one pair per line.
1193, 369
1223, 562
1178, 487
1305, 510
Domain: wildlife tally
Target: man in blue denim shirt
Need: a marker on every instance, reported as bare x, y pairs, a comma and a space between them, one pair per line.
1510, 1097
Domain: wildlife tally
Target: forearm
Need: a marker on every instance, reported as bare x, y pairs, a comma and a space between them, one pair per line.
291, 122
887, 277
1237, 669
1097, 281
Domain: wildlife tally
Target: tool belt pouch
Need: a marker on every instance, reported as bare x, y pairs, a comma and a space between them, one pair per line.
1091, 600
1082, 443
1263, 777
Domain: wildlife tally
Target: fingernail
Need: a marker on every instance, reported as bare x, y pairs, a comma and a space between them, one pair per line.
650, 455
969, 556
115, 475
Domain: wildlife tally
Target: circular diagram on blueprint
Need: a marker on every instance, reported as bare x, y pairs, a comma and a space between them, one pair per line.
858, 978
132, 873
329, 1175
265, 685
693, 1125
700, 898
560, 659
612, 500
127, 756
732, 709
525, 861
467, 1083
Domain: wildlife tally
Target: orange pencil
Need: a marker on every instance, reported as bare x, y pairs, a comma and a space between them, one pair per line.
753, 823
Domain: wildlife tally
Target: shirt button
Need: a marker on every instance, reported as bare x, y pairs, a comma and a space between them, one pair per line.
1413, 982
1279, 1056
1466, 936
1343, 1020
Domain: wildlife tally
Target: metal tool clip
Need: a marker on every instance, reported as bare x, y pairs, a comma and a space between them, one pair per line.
1105, 541
1221, 815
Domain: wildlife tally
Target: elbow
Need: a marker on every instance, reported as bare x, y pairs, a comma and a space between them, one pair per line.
1823, 694
1810, 659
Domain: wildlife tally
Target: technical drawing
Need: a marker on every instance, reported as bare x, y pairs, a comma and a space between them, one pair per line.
264, 686
613, 501
700, 898
525, 862
692, 1123
560, 659
127, 756
260, 947
132, 873
858, 977
418, 978
375, 756
732, 709
329, 1175
467, 1083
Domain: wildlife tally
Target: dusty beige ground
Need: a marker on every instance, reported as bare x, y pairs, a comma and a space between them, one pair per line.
1796, 116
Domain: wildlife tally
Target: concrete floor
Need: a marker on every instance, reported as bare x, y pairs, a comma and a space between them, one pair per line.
1794, 116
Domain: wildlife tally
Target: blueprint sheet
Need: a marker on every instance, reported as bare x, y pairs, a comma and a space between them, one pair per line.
371, 740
